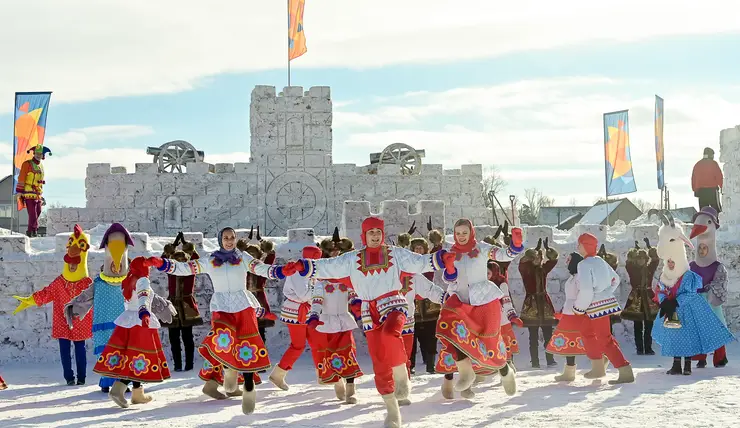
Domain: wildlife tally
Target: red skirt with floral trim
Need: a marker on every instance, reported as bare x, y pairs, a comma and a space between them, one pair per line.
234, 342
567, 339
209, 372
3, 385
512, 344
339, 359
133, 354
473, 330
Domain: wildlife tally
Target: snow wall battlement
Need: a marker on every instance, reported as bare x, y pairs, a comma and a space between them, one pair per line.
25, 270
290, 181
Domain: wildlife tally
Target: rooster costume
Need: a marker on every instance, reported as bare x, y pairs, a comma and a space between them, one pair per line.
234, 341
298, 292
74, 280
469, 325
134, 352
375, 272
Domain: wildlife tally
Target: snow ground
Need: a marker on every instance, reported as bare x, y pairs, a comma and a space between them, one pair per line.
707, 398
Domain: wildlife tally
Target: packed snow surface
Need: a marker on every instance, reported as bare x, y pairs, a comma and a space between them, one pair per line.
707, 398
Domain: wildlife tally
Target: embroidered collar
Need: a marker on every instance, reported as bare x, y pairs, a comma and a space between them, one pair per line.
383, 265
112, 279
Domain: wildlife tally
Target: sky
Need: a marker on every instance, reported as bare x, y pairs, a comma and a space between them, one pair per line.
519, 85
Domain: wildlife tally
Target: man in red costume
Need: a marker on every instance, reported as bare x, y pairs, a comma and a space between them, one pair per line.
706, 181
374, 272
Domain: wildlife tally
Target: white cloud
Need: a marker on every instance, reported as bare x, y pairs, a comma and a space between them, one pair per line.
92, 134
548, 133
86, 50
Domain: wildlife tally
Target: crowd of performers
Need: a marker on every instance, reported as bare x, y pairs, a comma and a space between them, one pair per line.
400, 295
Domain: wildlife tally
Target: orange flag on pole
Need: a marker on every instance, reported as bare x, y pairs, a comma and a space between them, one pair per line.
296, 36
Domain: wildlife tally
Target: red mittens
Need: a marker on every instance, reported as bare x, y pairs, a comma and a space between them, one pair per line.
270, 316
516, 237
558, 315
156, 262
291, 268
356, 310
517, 322
145, 321
313, 323
448, 259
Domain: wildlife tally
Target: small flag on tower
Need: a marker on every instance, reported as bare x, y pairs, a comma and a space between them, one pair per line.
296, 36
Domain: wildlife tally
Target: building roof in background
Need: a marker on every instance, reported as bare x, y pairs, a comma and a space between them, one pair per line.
548, 216
685, 215
569, 222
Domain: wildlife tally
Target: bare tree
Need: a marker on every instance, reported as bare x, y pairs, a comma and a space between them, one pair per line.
644, 205
492, 181
534, 200
572, 202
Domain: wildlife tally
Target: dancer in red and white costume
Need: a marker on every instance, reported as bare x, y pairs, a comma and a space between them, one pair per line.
415, 287
298, 293
234, 341
508, 313
469, 324
375, 272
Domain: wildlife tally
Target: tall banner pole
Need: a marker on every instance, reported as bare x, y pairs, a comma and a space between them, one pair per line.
289, 24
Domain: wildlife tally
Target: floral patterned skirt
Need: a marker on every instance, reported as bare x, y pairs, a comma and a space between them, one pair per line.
512, 344
133, 354
475, 331
338, 357
567, 339
211, 372
234, 342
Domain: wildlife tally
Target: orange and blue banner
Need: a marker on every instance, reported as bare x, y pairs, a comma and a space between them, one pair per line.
618, 163
659, 150
296, 36
29, 127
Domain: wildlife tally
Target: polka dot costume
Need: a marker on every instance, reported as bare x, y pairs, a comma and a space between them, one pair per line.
701, 331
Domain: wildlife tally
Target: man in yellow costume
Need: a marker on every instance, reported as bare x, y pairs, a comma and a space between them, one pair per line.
30, 187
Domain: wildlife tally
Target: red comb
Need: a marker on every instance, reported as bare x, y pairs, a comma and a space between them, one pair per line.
77, 230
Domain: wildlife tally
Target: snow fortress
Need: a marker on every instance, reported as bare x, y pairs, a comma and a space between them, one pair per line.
290, 181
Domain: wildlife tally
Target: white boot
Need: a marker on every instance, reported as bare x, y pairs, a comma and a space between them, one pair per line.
277, 377
509, 382
231, 380
349, 394
401, 381
116, 394
479, 379
340, 390
468, 393
448, 390
467, 375
211, 389
249, 400
569, 374
393, 419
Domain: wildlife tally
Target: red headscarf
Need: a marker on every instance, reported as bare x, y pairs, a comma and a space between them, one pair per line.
139, 268
470, 245
372, 254
589, 243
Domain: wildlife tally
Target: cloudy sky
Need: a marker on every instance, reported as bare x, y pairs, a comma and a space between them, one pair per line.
520, 85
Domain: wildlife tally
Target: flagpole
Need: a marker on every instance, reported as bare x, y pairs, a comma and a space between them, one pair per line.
289, 23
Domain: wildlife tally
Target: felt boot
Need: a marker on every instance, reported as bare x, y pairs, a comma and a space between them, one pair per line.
626, 375
467, 375
138, 396
116, 394
597, 370
468, 393
349, 394
479, 379
508, 380
340, 390
401, 381
277, 377
687, 366
231, 380
569, 374
448, 390
249, 400
393, 419
676, 368
211, 389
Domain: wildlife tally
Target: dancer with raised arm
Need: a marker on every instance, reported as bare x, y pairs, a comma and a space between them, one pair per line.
234, 341
469, 325
375, 272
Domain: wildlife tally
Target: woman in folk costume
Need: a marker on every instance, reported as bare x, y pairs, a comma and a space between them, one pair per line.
686, 325
613, 261
712, 272
134, 352
181, 294
469, 325
508, 313
537, 310
641, 308
330, 317
234, 341
597, 282
375, 272
298, 293
567, 339
260, 249
74, 280
416, 287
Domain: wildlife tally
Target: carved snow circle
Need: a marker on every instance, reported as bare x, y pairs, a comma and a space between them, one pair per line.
295, 199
